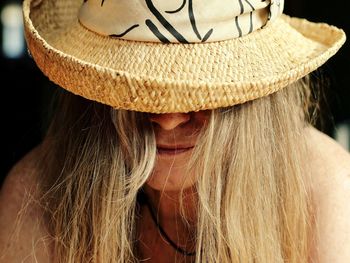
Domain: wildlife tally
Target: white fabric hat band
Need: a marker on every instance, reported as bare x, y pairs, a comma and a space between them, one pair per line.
167, 21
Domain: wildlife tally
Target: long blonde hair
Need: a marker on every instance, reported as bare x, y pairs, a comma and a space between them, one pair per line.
253, 198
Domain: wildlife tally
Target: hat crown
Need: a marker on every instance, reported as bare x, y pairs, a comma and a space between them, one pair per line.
183, 21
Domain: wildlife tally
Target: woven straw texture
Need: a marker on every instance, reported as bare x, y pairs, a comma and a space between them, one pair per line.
164, 78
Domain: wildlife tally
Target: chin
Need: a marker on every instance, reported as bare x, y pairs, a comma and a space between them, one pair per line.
167, 185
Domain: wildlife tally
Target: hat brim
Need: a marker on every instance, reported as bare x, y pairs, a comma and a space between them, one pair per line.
162, 78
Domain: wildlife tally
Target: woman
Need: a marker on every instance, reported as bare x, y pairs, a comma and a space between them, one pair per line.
184, 151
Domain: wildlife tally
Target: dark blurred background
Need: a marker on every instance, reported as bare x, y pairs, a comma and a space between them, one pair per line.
26, 92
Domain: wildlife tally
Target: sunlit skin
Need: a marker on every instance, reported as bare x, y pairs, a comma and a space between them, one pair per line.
163, 188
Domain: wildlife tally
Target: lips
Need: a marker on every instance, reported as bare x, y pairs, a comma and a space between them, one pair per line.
172, 147
172, 151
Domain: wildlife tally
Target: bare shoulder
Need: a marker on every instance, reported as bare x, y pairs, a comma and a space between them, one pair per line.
328, 159
22, 232
330, 164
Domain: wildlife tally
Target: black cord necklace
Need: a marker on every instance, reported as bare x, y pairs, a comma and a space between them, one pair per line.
163, 233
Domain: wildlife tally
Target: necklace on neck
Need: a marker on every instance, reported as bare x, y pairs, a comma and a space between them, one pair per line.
164, 234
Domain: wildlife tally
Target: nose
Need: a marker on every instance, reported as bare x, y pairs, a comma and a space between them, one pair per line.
169, 121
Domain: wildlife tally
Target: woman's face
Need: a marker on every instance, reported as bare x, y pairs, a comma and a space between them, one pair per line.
176, 135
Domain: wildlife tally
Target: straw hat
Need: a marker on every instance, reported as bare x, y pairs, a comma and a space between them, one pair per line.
174, 56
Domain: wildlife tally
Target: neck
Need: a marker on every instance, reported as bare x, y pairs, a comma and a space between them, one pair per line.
166, 207
166, 204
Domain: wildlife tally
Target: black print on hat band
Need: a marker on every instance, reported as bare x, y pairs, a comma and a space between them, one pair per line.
241, 6
156, 31
238, 27
251, 22
177, 10
165, 23
252, 7
207, 35
193, 20
125, 32
250, 17
171, 29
